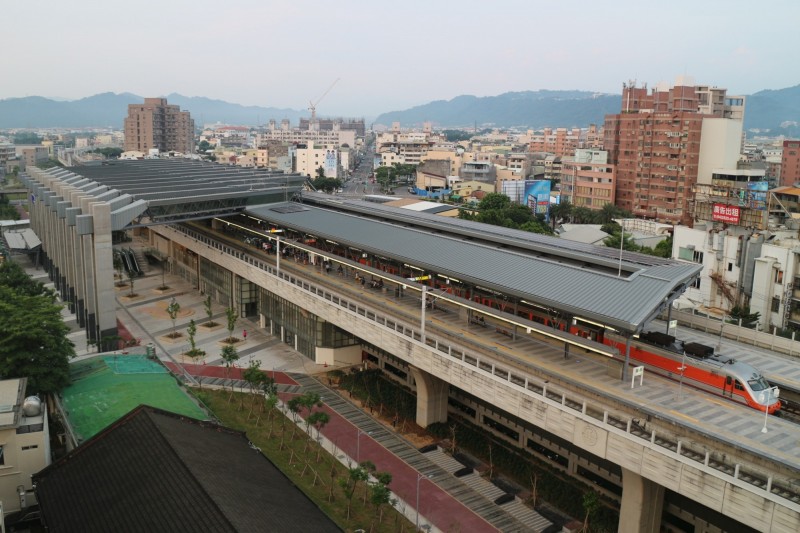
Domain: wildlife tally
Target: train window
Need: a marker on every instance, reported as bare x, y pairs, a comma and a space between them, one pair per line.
758, 384
738, 385
728, 380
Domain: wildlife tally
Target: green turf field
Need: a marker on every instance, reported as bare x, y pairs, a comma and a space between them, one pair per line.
105, 388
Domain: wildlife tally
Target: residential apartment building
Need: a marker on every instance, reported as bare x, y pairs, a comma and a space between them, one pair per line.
560, 142
336, 136
30, 156
407, 147
329, 124
309, 159
587, 179
8, 152
666, 140
456, 158
790, 163
155, 124
24, 444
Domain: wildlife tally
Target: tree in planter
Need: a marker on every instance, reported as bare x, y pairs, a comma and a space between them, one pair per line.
131, 275
118, 267
192, 331
209, 312
232, 316
164, 285
229, 357
172, 310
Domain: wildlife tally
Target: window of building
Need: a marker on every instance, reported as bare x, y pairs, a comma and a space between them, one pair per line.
776, 304
730, 267
779, 277
696, 283
2, 455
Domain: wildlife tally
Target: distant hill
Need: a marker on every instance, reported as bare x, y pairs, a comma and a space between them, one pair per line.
110, 109
776, 112
527, 109
772, 112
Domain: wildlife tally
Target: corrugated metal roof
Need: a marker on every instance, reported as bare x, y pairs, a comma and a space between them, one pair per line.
24, 239
553, 273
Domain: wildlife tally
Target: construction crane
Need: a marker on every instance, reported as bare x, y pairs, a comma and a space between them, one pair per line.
313, 106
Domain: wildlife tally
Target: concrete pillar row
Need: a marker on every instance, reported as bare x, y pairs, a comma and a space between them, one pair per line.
642, 504
432, 395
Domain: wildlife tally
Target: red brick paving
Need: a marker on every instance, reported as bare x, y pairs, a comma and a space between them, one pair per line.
436, 505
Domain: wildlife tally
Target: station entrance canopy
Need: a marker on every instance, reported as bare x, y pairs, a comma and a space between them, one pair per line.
160, 191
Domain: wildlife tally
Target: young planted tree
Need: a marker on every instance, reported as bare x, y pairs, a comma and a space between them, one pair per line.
229, 357
172, 310
254, 377
192, 331
349, 483
319, 419
118, 267
232, 316
164, 285
295, 407
209, 312
131, 275
591, 503
380, 494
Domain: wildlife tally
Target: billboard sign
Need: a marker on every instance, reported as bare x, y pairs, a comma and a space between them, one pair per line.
537, 197
726, 213
755, 197
331, 165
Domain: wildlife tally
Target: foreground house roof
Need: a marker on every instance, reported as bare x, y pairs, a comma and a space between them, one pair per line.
157, 471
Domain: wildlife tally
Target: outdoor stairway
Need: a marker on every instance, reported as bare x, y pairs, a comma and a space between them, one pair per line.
519, 510
442, 476
444, 460
144, 266
486, 488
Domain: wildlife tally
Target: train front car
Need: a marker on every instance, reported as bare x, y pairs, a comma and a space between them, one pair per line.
758, 392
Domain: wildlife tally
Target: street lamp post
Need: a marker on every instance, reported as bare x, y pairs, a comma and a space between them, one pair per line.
721, 328
419, 478
768, 395
682, 369
358, 444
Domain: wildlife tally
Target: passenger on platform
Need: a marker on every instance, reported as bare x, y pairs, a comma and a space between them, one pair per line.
340, 270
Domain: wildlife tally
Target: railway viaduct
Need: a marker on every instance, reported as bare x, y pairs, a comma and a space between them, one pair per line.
740, 476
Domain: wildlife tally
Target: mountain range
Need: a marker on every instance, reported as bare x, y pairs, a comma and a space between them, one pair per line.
772, 112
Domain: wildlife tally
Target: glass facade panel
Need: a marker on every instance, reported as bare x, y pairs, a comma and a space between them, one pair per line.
216, 281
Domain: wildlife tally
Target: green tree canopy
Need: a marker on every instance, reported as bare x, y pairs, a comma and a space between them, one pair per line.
34, 337
321, 183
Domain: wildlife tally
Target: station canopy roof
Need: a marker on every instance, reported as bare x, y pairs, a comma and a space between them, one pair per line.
157, 191
591, 282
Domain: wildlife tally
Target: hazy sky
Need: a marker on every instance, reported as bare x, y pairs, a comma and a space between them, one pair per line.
389, 55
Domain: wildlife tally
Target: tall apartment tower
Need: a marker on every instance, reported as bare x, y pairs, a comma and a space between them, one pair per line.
790, 163
156, 124
666, 140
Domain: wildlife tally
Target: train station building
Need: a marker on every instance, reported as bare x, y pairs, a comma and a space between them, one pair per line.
447, 304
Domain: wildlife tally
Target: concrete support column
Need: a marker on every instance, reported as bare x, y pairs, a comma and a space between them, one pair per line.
104, 270
642, 504
431, 397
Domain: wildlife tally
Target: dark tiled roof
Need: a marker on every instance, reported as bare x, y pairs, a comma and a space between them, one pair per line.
156, 471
